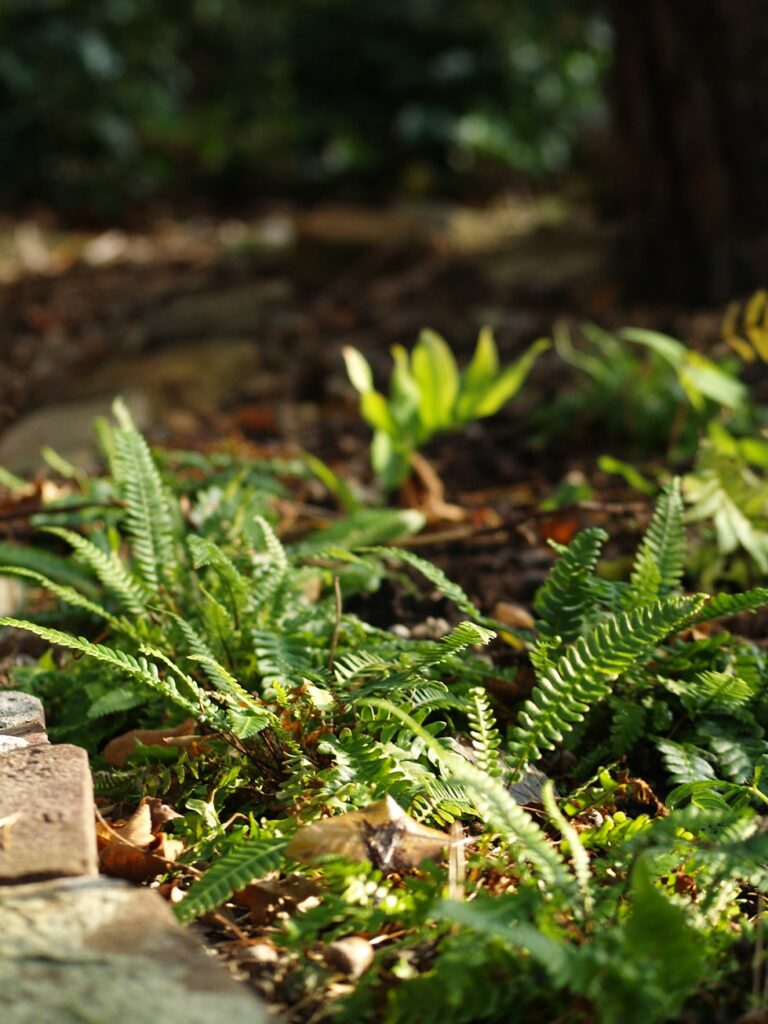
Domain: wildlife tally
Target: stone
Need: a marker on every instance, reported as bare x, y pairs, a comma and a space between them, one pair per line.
9, 743
66, 427
20, 713
49, 791
99, 950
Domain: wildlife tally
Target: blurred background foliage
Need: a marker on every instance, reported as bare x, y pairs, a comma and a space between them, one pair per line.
112, 104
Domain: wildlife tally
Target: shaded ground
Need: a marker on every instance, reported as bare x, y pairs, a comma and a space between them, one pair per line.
233, 330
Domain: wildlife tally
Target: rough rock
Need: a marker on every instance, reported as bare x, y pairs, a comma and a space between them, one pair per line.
47, 792
20, 713
67, 427
98, 950
11, 743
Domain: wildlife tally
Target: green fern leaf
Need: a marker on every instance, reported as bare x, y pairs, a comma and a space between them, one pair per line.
493, 801
733, 604
139, 668
664, 541
108, 568
628, 726
580, 678
645, 585
563, 600
483, 731
436, 577
64, 593
251, 859
148, 517
48, 564
121, 699
685, 762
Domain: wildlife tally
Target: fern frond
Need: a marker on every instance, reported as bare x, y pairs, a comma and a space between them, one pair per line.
489, 795
64, 593
645, 586
251, 859
48, 564
121, 699
563, 600
274, 568
465, 635
733, 604
364, 528
664, 540
434, 575
280, 654
579, 857
146, 672
148, 518
685, 762
108, 569
565, 692
484, 732
628, 725
206, 553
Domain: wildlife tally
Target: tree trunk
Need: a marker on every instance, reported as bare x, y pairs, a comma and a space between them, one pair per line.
690, 91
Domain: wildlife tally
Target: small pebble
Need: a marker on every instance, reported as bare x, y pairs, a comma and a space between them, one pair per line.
352, 956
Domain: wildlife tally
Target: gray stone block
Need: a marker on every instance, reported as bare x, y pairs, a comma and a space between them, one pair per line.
9, 743
99, 950
20, 713
48, 792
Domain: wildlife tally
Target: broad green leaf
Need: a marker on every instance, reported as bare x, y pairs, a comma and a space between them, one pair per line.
404, 391
509, 381
437, 376
375, 411
668, 348
712, 382
358, 369
390, 464
485, 363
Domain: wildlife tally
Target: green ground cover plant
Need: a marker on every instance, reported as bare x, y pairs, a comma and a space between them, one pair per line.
604, 850
429, 395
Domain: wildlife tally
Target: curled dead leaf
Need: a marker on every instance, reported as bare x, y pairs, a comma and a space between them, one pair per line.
290, 895
382, 833
136, 850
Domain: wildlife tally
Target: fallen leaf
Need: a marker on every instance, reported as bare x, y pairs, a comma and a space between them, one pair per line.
136, 849
513, 615
118, 750
289, 895
381, 833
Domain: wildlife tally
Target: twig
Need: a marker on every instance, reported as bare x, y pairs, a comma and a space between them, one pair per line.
336, 624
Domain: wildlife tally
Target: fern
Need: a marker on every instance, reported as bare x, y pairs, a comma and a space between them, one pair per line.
64, 593
733, 604
564, 599
248, 860
434, 575
108, 568
628, 726
48, 564
141, 669
664, 541
148, 516
465, 635
484, 732
580, 678
496, 806
646, 583
121, 699
685, 762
